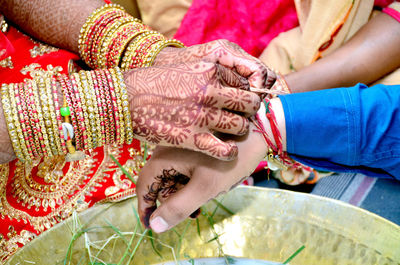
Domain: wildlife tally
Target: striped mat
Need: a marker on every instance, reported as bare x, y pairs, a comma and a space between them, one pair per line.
380, 196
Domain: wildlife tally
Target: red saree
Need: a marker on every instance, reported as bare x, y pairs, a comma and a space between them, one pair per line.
34, 197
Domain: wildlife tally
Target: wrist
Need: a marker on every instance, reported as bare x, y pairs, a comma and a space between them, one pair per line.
164, 55
277, 107
271, 124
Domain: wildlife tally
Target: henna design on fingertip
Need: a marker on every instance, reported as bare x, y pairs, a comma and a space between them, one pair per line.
206, 142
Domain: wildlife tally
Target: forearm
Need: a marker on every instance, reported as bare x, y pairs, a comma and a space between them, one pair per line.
57, 23
372, 53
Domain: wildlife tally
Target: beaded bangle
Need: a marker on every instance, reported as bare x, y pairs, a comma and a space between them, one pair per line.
28, 133
45, 144
127, 46
118, 101
119, 41
116, 110
52, 128
58, 119
24, 128
83, 40
110, 122
132, 49
93, 113
96, 111
102, 130
9, 115
97, 103
156, 49
43, 84
114, 37
87, 108
139, 57
125, 105
66, 87
79, 113
102, 82
34, 121
100, 36
17, 124
99, 28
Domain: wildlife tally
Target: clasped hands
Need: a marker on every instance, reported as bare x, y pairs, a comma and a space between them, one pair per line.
187, 99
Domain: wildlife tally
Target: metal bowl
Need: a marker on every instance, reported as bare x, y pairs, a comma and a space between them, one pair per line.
268, 224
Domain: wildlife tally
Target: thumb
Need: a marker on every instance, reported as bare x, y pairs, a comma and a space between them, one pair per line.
180, 205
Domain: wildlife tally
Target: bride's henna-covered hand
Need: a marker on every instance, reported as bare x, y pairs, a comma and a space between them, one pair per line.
183, 180
225, 53
183, 105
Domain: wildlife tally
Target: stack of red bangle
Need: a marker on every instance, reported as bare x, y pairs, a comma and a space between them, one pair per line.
95, 112
32, 117
111, 37
96, 99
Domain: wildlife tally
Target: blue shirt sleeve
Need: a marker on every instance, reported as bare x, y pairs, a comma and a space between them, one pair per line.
354, 129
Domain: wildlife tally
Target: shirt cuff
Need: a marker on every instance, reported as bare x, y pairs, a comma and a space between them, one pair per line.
324, 124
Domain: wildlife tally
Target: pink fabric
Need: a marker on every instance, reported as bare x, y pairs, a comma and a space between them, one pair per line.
250, 23
383, 3
393, 13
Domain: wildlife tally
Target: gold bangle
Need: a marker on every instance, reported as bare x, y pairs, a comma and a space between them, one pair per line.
25, 140
34, 121
43, 84
110, 36
84, 31
156, 49
117, 94
126, 46
96, 87
123, 93
57, 118
18, 127
42, 127
132, 49
9, 115
92, 107
85, 111
54, 133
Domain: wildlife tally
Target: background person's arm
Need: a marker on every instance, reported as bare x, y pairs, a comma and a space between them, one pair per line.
373, 52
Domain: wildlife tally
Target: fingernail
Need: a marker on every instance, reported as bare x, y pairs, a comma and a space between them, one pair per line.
158, 224
147, 214
195, 214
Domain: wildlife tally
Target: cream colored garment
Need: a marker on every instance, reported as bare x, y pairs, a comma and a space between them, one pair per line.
165, 16
319, 19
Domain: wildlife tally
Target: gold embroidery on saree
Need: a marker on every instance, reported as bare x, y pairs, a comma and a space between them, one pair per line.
60, 195
7, 63
3, 24
36, 70
41, 49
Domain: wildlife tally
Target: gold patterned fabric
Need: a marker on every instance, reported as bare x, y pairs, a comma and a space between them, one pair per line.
35, 196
